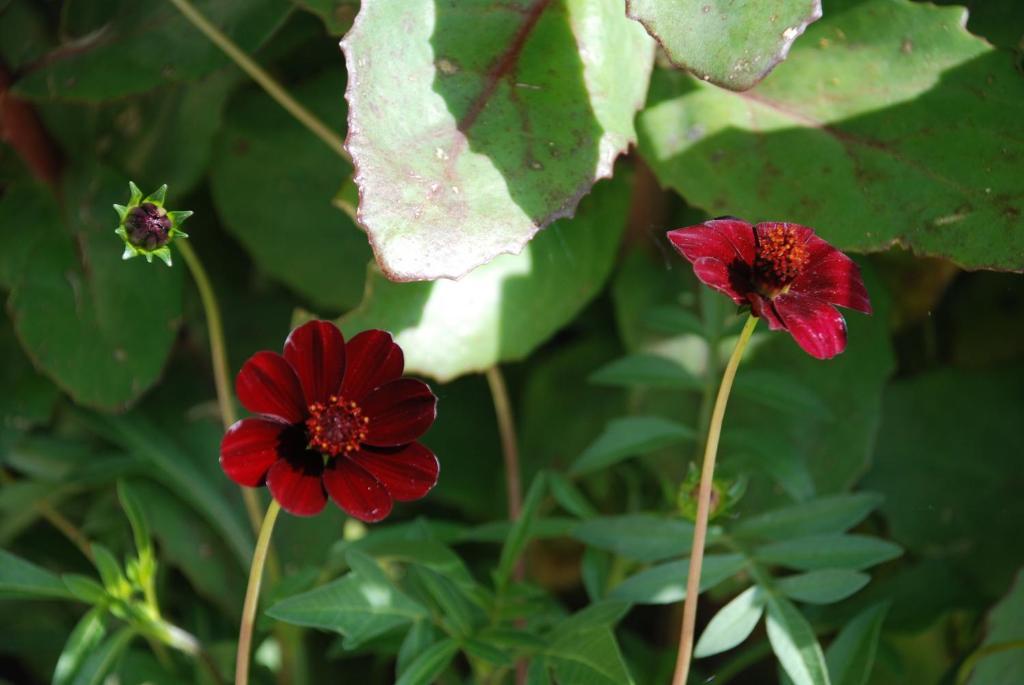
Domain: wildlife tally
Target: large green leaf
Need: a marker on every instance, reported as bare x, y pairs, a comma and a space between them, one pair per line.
732, 44
430, 663
359, 606
20, 578
132, 47
504, 310
889, 123
948, 463
475, 125
274, 182
100, 327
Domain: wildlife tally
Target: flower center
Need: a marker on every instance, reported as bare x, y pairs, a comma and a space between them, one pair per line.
336, 426
148, 226
781, 256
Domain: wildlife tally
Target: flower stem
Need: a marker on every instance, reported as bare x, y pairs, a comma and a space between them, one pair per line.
513, 484
219, 359
509, 448
274, 89
703, 506
252, 594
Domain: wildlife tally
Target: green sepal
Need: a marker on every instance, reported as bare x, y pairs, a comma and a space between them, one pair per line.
136, 195
178, 217
163, 253
158, 196
122, 212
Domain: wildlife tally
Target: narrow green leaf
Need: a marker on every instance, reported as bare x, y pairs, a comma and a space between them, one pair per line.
835, 514
829, 551
23, 579
628, 437
82, 642
641, 537
84, 588
421, 635
732, 624
110, 570
430, 664
458, 610
569, 496
143, 439
822, 587
599, 614
851, 655
588, 655
520, 533
793, 641
489, 653
102, 660
645, 370
136, 517
666, 583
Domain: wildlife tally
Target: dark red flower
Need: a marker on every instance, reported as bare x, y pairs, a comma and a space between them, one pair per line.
789, 277
332, 418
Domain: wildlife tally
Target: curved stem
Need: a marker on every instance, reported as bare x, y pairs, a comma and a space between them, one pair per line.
219, 359
703, 506
265, 80
252, 594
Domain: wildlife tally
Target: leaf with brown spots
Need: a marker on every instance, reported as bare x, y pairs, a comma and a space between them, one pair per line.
888, 124
473, 125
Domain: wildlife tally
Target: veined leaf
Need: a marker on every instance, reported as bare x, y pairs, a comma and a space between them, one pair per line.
732, 624
519, 107
627, 437
793, 641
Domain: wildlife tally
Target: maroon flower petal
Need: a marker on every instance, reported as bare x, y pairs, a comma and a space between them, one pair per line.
408, 472
267, 385
373, 360
356, 491
316, 350
817, 327
695, 242
832, 276
715, 273
762, 307
399, 412
739, 233
249, 449
296, 482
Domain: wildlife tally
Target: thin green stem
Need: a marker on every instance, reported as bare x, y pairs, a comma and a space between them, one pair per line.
509, 447
513, 483
704, 505
265, 80
219, 360
971, 662
252, 594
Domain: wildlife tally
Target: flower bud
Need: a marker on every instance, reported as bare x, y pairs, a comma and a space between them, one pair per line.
725, 493
146, 227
